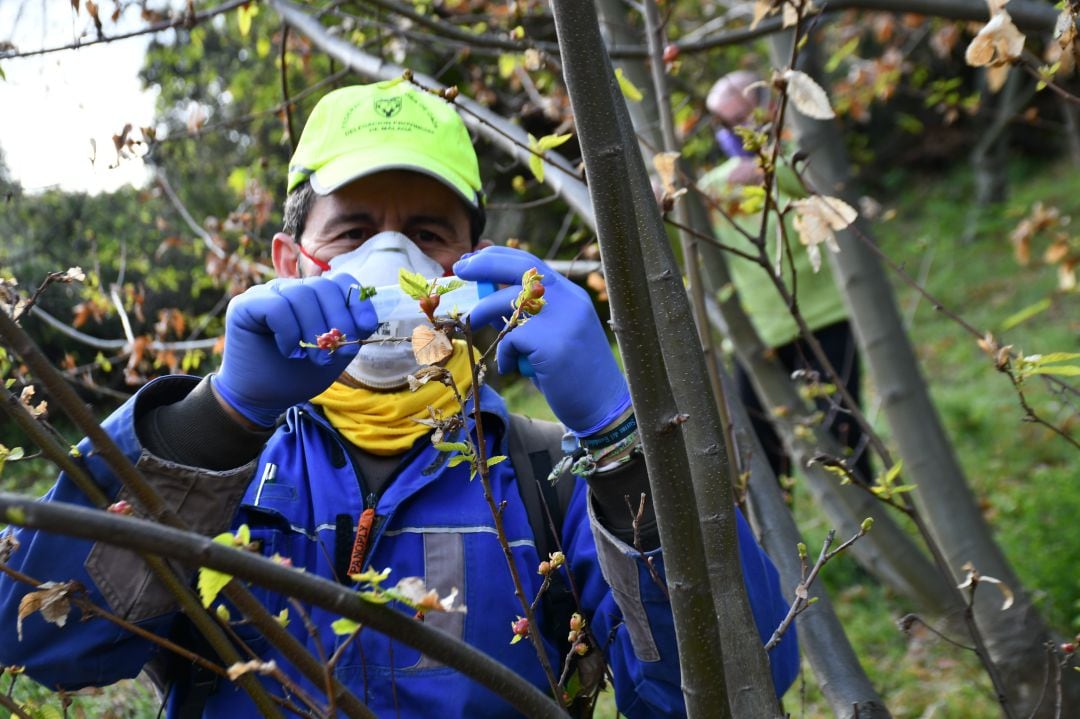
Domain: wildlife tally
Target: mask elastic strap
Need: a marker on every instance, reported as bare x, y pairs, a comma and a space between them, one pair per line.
324, 266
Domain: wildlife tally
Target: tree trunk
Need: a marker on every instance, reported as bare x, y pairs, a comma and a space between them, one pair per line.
1015, 637
990, 156
627, 215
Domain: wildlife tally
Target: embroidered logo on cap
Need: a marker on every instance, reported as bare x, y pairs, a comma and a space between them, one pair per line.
388, 106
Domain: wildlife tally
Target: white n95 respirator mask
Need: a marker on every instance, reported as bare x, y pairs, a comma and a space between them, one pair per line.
385, 365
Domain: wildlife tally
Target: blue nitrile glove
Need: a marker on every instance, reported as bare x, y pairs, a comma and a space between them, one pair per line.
264, 370
565, 343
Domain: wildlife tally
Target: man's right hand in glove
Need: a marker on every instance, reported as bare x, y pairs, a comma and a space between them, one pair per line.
264, 370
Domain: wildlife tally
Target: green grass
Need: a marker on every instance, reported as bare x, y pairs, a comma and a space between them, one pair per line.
1023, 475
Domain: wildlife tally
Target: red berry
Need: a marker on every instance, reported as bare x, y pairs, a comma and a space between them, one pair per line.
536, 290
1068, 647
671, 54
521, 627
121, 507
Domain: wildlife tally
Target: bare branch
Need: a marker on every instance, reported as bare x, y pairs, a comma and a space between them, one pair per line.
197, 550
185, 21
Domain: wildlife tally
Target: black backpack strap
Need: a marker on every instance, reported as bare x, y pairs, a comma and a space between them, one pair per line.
535, 448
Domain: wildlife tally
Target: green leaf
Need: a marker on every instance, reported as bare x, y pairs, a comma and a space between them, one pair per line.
244, 14
492, 461
43, 711
344, 627
753, 199
237, 180
374, 597
211, 582
536, 162
893, 473
444, 287
1026, 314
539, 147
1039, 360
2, 75
841, 54
413, 284
507, 64
629, 90
451, 447
371, 576
458, 459
550, 142
283, 617
536, 166
1062, 370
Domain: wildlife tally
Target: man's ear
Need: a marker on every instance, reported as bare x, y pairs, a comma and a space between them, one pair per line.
286, 255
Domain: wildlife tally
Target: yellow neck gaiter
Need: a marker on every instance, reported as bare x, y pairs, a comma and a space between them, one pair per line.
382, 422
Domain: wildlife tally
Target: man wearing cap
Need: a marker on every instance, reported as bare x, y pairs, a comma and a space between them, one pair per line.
320, 453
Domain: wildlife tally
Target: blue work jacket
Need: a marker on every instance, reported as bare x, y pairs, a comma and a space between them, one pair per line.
301, 499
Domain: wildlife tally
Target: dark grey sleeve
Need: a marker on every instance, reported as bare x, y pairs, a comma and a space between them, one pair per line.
194, 430
609, 492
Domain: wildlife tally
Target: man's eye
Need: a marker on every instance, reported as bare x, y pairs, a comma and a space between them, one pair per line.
357, 233
426, 237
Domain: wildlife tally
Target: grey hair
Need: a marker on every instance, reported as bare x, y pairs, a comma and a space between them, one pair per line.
297, 206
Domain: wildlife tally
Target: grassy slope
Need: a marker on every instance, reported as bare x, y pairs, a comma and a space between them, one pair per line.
1024, 476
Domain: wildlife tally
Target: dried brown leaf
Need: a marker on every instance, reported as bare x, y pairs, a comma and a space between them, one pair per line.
430, 346
807, 96
259, 667
51, 599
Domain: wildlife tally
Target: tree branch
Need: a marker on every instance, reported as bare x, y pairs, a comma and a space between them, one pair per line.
185, 21
196, 550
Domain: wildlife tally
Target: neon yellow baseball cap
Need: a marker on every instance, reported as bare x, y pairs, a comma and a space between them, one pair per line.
363, 129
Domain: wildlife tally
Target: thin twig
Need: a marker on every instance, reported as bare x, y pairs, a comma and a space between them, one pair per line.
636, 524
483, 470
802, 596
12, 706
185, 21
907, 620
290, 134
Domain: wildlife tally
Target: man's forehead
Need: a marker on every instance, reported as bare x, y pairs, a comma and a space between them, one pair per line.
398, 192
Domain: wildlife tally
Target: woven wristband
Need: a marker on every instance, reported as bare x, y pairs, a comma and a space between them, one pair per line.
612, 436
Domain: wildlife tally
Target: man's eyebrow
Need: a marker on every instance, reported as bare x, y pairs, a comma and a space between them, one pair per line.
351, 218
438, 220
